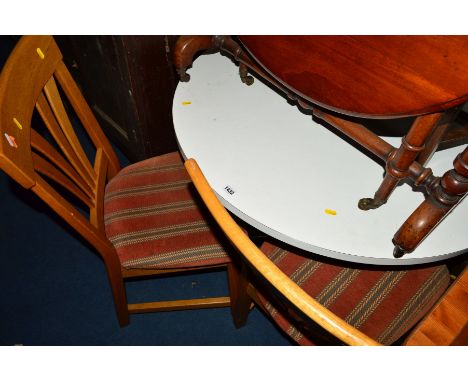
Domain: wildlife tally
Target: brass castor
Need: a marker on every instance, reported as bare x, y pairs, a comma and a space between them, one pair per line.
248, 80
183, 76
244, 75
366, 204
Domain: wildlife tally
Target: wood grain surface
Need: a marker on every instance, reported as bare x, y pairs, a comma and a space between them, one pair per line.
369, 76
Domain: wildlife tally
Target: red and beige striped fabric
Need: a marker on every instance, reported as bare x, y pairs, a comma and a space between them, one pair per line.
382, 304
153, 220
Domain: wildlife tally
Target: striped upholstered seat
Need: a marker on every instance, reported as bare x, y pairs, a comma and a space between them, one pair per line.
382, 304
152, 219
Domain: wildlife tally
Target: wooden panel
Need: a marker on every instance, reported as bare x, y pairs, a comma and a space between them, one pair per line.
136, 111
153, 82
94, 63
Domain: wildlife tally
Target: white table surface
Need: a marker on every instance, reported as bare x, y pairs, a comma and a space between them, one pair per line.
285, 170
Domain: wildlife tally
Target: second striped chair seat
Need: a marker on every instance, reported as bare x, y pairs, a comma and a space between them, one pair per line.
382, 304
153, 220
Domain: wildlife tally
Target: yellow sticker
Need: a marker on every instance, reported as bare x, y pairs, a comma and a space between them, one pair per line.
186, 103
17, 124
40, 53
330, 212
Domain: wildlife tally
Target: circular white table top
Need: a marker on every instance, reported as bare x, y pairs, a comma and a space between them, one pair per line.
278, 170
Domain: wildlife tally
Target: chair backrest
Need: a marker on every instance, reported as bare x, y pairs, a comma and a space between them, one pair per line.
266, 268
33, 78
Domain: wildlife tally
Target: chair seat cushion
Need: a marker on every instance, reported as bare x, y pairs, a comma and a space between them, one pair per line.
153, 219
383, 304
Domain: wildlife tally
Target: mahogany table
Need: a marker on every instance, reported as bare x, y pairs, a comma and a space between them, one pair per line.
266, 161
338, 77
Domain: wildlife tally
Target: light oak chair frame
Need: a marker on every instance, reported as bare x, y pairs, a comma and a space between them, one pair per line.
29, 81
446, 324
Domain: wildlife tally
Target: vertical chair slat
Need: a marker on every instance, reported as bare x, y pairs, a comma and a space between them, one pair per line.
48, 151
53, 96
86, 116
48, 117
97, 211
45, 168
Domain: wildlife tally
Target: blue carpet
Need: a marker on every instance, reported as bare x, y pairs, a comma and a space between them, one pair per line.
54, 290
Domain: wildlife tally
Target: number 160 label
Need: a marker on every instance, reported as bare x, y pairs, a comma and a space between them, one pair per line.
229, 190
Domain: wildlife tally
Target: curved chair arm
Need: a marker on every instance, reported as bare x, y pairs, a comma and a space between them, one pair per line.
300, 299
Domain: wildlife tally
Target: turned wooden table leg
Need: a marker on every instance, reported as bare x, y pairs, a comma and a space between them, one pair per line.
444, 194
436, 136
399, 160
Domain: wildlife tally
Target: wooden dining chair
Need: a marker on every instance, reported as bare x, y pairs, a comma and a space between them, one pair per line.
358, 305
142, 220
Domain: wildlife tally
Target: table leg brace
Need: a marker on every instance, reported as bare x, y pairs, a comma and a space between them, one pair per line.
400, 160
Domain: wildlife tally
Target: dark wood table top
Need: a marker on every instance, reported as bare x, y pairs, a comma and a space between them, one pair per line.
369, 76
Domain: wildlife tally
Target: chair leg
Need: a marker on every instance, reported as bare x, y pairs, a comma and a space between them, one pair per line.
120, 297
240, 300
